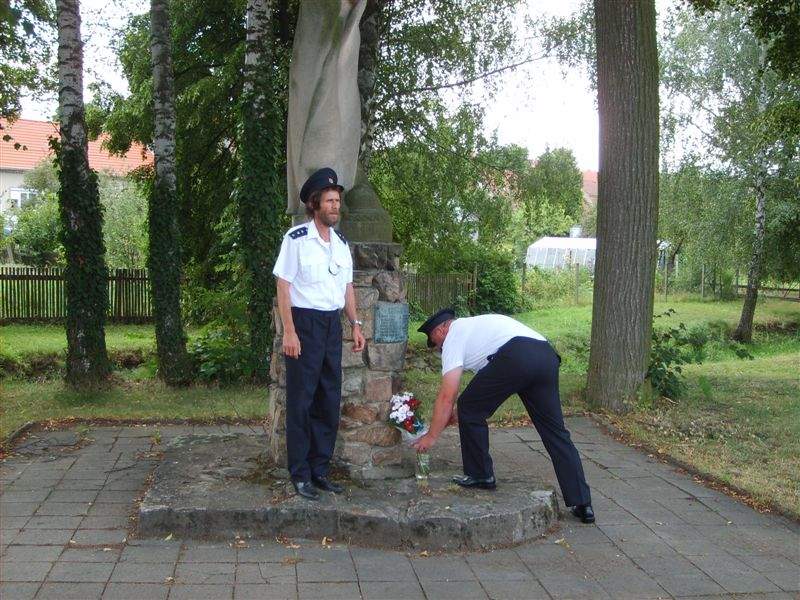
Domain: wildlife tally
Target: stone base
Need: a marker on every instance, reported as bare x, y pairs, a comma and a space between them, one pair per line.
219, 486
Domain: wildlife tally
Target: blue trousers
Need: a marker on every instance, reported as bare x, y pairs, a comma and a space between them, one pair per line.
313, 393
529, 368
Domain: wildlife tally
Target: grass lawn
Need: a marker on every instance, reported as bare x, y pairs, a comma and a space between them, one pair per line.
25, 401
739, 420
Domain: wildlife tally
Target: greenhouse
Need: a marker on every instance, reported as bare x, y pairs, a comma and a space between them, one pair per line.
561, 252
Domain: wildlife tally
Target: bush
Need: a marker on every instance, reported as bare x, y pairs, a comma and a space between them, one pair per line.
222, 354
497, 286
671, 348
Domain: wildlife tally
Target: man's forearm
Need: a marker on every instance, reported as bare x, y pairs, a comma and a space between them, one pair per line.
442, 409
285, 306
350, 308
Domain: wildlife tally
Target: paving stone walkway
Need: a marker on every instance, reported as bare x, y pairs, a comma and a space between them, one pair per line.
65, 517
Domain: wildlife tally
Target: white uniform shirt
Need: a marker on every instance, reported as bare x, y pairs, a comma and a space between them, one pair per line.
470, 340
306, 262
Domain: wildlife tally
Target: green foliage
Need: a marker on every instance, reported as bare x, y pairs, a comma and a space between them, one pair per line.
553, 191
553, 287
497, 287
124, 222
775, 22
678, 345
670, 349
25, 26
223, 355
36, 234
446, 194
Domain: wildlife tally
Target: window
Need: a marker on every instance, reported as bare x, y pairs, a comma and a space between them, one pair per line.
19, 197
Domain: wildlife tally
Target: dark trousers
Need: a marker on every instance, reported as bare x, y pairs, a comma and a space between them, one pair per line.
313, 393
529, 368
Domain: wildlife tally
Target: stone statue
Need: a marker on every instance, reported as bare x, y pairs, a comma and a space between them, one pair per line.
324, 126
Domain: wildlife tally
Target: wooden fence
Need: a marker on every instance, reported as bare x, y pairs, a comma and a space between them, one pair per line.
786, 293
37, 294
433, 291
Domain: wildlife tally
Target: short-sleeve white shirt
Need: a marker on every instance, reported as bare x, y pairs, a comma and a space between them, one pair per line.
470, 340
306, 261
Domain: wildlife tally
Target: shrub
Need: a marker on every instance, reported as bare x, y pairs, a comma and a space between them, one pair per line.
222, 354
671, 348
497, 287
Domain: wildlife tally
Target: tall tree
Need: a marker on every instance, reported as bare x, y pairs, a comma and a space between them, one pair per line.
25, 29
261, 150
81, 215
745, 113
164, 257
627, 210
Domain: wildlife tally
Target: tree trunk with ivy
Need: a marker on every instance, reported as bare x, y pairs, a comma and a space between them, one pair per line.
261, 201
164, 256
81, 214
627, 207
368, 53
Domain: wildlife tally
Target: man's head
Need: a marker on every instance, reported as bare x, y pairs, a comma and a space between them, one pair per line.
322, 196
437, 326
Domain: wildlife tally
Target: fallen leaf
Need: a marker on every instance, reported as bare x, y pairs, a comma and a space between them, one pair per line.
106, 549
424, 553
169, 580
168, 538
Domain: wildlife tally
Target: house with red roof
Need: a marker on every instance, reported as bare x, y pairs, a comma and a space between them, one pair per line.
25, 143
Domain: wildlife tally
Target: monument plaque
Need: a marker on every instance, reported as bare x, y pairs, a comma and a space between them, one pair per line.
391, 322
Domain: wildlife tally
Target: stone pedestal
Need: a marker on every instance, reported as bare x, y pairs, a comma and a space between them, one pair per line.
367, 447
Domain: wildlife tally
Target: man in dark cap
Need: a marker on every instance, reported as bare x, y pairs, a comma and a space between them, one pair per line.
507, 358
315, 281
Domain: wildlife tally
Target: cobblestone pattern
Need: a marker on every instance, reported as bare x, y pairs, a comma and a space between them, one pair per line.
65, 515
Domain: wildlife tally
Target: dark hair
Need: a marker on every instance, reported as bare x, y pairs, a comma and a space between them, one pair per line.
313, 202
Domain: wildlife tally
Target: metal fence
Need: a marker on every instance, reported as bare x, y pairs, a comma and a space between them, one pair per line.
37, 294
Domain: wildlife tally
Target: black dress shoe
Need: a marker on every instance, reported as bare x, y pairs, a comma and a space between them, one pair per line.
584, 513
323, 483
488, 483
306, 490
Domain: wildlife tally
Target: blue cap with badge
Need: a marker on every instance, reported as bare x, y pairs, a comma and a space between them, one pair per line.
320, 179
434, 320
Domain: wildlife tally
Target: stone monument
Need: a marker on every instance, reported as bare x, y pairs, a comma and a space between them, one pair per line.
215, 486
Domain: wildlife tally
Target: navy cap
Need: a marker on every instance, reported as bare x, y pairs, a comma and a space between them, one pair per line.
434, 320
319, 180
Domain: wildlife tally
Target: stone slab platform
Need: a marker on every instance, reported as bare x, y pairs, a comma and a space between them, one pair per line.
219, 486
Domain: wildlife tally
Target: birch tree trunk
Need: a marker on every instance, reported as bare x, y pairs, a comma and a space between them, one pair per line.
627, 207
164, 257
744, 330
260, 185
81, 215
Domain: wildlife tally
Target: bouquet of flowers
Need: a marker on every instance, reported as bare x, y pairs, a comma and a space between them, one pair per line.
403, 416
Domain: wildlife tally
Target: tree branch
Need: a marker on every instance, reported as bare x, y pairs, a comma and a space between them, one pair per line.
432, 88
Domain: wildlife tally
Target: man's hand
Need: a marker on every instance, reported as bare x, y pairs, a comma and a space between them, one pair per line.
424, 443
358, 339
291, 344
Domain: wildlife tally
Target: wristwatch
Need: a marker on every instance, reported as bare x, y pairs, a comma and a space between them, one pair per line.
356, 322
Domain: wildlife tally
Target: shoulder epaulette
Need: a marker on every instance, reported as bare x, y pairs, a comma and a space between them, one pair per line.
341, 236
298, 233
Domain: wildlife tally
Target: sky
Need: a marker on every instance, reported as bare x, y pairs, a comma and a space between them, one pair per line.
536, 106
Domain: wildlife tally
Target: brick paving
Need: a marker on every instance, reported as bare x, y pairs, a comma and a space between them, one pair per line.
65, 518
